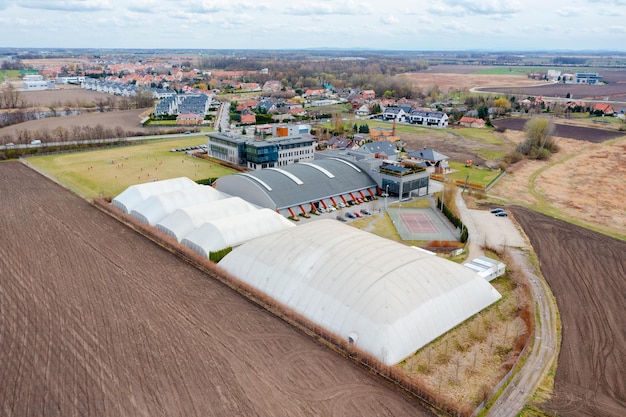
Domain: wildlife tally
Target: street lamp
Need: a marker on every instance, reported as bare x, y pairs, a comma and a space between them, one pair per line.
386, 195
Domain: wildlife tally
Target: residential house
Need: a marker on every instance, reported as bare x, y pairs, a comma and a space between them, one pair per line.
434, 160
398, 113
313, 93
471, 122
337, 142
429, 118
368, 94
248, 117
272, 85
384, 149
364, 110
189, 119
603, 108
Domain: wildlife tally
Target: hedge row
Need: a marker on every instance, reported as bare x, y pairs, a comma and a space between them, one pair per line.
454, 220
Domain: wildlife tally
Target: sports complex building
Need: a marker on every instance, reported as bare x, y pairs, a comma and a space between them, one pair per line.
334, 177
381, 297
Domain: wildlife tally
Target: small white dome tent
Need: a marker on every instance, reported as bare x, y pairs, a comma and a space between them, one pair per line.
388, 299
184, 220
235, 230
155, 208
135, 194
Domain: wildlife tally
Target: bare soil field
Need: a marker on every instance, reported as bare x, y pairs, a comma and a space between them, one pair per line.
588, 134
606, 92
586, 272
128, 120
98, 320
73, 97
584, 182
464, 81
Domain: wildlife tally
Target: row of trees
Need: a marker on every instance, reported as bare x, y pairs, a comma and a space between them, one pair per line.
61, 134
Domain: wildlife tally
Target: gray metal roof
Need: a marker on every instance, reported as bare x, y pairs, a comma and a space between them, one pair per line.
298, 183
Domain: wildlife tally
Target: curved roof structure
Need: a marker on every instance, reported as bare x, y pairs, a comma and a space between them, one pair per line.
156, 207
184, 220
291, 185
235, 230
385, 297
136, 194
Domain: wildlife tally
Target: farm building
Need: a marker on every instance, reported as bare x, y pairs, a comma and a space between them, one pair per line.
234, 230
186, 219
136, 194
385, 298
158, 206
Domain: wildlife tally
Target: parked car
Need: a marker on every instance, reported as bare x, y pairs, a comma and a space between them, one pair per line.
341, 204
350, 215
341, 218
501, 214
357, 214
366, 212
321, 209
331, 208
496, 210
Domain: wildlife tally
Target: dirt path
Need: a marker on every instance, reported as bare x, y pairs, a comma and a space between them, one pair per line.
486, 230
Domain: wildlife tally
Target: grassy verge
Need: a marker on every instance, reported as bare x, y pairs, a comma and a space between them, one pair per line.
108, 172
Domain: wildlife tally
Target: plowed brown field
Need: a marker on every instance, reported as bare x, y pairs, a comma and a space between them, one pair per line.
96, 320
586, 271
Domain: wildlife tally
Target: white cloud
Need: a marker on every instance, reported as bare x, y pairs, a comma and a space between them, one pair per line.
484, 7
67, 5
346, 7
389, 19
569, 11
610, 11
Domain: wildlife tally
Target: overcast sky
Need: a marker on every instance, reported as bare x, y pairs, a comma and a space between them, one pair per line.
290, 24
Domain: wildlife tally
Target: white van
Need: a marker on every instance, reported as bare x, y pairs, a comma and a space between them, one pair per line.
35, 142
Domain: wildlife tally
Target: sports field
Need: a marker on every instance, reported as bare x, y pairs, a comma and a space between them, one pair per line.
421, 224
108, 172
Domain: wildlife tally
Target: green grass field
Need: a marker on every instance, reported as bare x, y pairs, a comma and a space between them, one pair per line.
108, 172
9, 74
505, 70
479, 176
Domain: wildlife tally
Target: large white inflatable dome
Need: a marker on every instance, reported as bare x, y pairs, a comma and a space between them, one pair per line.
386, 298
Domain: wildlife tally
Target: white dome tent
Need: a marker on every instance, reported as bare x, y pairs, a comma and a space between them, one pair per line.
135, 194
156, 207
386, 298
186, 219
235, 230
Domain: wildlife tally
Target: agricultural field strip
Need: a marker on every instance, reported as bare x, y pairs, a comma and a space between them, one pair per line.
585, 271
102, 321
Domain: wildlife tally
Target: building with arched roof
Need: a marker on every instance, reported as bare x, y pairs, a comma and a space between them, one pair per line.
186, 219
136, 194
301, 187
231, 231
384, 297
158, 206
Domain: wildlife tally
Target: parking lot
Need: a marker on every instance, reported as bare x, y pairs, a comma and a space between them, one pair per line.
349, 213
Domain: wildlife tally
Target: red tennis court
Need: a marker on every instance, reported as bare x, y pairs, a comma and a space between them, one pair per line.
418, 223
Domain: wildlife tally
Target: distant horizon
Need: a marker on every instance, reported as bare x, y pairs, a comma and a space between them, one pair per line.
402, 25
324, 48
